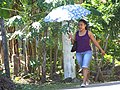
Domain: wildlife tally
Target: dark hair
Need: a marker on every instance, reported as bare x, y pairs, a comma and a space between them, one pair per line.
85, 22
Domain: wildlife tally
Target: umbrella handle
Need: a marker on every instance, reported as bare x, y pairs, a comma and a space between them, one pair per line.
68, 31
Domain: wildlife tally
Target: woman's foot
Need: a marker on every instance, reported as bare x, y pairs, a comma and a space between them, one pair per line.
83, 85
87, 82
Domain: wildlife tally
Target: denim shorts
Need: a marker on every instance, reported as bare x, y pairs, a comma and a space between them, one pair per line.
84, 58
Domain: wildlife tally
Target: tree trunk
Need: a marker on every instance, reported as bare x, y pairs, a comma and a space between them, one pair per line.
55, 55
11, 43
51, 68
33, 52
5, 48
44, 63
24, 53
40, 53
15, 57
113, 63
44, 59
10, 50
69, 62
2, 54
29, 55
16, 47
95, 54
34, 49
15, 64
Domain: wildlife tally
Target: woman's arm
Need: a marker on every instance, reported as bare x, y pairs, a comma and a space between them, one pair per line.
72, 38
95, 42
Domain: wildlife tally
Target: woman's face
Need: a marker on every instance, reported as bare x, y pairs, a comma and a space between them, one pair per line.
81, 26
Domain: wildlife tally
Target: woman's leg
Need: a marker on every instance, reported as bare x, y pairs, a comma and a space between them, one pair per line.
86, 60
85, 75
79, 59
88, 81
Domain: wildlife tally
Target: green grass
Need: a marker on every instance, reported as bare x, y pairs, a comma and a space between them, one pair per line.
47, 86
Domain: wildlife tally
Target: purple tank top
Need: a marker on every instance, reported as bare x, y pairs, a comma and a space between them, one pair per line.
83, 42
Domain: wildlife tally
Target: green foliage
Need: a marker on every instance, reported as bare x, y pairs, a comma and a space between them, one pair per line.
117, 63
14, 21
4, 5
2, 72
108, 58
34, 63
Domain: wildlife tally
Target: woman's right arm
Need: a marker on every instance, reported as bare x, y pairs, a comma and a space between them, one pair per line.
95, 42
72, 39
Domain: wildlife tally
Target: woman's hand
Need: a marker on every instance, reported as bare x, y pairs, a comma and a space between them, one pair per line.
103, 52
70, 35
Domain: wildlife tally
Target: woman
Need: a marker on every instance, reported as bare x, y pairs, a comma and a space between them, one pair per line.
83, 52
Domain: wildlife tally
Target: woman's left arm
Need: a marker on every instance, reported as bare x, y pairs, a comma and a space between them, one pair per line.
95, 42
